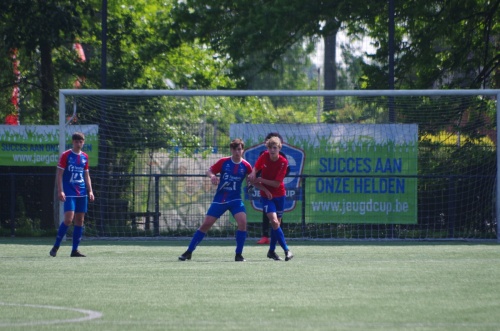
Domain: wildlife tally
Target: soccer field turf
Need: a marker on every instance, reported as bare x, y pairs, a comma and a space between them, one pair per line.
140, 285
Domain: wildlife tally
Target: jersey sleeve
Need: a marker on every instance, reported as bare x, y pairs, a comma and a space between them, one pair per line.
86, 163
63, 161
248, 167
217, 166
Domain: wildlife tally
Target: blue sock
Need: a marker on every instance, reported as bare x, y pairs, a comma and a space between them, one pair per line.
77, 236
281, 239
274, 240
61, 232
241, 236
197, 238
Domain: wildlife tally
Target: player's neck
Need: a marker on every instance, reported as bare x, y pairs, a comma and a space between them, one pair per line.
274, 157
236, 159
76, 151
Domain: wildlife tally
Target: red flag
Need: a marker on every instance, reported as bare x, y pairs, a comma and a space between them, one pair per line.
17, 74
81, 58
79, 49
12, 119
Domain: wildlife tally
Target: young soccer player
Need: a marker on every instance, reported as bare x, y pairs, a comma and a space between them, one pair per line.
74, 188
273, 167
264, 240
233, 170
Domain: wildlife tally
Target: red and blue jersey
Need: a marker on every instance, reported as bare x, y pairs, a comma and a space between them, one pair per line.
74, 166
231, 177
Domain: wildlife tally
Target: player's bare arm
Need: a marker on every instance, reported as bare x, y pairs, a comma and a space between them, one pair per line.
213, 178
264, 189
60, 192
88, 182
251, 176
268, 182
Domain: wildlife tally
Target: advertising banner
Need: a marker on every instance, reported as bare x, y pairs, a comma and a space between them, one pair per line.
38, 145
354, 173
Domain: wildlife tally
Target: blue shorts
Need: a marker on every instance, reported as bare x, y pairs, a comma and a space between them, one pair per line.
275, 205
217, 209
76, 204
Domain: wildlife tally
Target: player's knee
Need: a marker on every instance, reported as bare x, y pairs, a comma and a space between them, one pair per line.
275, 223
207, 224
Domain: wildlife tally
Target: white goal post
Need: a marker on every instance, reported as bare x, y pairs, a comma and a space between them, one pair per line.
359, 178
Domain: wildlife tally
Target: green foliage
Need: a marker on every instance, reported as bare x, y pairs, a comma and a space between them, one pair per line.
142, 53
233, 44
39, 30
259, 37
473, 163
24, 226
437, 44
348, 76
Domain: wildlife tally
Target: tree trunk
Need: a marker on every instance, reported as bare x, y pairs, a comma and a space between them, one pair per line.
330, 70
47, 84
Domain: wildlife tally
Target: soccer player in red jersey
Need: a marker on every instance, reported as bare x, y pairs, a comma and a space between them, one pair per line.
273, 167
74, 188
264, 240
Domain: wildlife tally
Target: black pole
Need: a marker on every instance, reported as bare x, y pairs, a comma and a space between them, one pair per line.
303, 197
12, 205
156, 219
392, 115
104, 42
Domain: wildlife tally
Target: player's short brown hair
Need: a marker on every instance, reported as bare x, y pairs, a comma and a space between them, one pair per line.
237, 142
78, 136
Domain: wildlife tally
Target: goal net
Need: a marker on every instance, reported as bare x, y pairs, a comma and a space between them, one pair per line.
370, 165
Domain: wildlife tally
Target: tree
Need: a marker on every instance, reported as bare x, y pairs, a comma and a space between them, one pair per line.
142, 52
243, 29
288, 72
452, 44
37, 28
255, 35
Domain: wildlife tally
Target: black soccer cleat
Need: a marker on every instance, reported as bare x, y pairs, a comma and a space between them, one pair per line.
288, 255
76, 253
185, 256
273, 256
239, 258
53, 251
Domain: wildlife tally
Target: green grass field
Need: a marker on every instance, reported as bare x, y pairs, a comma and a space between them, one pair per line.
127, 285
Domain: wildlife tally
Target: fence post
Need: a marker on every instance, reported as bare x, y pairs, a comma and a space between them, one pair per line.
156, 219
303, 198
497, 198
12, 206
452, 193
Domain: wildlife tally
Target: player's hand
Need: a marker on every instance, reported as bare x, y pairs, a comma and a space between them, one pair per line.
91, 196
214, 180
251, 177
61, 196
269, 195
